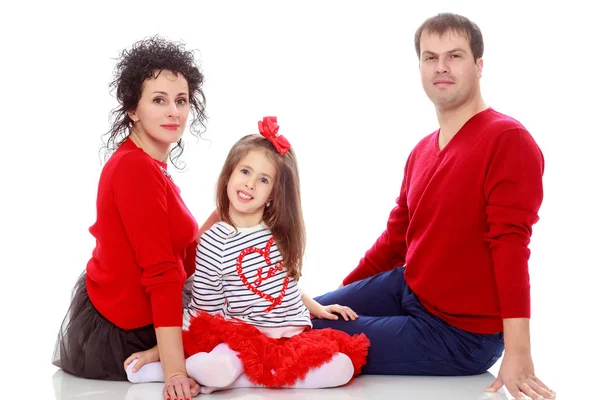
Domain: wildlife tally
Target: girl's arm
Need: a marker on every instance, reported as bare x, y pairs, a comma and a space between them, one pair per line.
327, 312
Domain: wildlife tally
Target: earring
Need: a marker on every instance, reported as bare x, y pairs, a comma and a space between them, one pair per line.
268, 204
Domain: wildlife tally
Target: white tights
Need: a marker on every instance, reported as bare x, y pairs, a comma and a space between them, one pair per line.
221, 369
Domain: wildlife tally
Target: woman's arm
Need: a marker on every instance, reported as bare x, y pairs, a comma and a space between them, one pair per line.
140, 195
170, 350
212, 219
189, 262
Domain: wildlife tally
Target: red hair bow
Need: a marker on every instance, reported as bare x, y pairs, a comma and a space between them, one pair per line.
268, 128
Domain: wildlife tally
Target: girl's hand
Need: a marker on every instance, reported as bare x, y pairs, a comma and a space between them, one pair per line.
327, 312
143, 357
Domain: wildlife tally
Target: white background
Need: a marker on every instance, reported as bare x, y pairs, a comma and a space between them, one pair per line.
342, 77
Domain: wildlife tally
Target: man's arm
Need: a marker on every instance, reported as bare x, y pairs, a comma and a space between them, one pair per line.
513, 191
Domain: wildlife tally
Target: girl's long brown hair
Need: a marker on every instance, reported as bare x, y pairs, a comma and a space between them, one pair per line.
284, 215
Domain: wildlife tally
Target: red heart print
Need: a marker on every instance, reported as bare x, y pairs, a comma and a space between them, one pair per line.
266, 253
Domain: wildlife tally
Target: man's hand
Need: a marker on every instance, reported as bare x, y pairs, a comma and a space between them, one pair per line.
516, 373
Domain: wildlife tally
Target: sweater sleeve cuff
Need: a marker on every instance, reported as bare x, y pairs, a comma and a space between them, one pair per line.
515, 303
167, 309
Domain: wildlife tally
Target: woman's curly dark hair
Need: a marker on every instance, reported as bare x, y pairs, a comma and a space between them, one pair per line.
141, 62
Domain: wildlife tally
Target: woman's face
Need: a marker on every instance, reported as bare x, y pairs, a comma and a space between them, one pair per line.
162, 111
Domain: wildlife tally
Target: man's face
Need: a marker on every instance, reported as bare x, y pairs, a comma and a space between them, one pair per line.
449, 74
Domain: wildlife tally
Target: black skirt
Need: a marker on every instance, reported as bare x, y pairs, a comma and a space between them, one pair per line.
90, 346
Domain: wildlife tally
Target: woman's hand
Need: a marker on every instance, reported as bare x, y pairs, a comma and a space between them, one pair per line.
180, 387
143, 357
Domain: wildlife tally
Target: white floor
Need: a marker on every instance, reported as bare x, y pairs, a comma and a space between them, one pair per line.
375, 387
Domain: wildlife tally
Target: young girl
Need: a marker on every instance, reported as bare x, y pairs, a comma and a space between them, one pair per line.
248, 323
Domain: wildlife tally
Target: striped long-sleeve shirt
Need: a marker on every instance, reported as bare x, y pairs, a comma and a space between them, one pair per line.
239, 275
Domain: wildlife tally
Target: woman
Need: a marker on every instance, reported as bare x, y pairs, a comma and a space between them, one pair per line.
130, 297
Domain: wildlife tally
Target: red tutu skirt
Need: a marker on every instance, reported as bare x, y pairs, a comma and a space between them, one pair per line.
273, 362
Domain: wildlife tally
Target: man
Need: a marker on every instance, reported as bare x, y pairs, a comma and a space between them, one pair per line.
460, 230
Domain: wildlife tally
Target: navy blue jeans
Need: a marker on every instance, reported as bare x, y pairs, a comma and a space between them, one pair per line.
405, 338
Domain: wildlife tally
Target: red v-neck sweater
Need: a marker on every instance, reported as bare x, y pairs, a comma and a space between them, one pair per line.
145, 243
463, 222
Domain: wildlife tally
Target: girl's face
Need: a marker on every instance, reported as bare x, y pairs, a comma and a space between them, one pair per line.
163, 109
249, 188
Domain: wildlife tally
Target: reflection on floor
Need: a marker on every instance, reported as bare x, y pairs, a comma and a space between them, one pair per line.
374, 387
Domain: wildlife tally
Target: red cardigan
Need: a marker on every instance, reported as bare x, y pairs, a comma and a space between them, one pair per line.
463, 222
145, 243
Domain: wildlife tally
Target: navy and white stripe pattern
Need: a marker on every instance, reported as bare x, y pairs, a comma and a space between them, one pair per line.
219, 287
